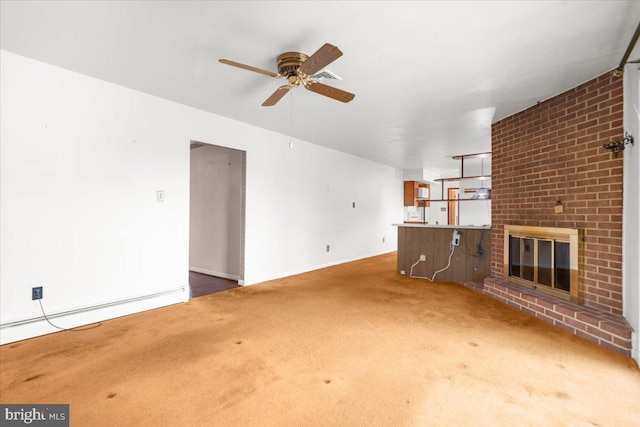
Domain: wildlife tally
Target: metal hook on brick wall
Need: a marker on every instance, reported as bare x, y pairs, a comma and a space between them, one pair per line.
618, 146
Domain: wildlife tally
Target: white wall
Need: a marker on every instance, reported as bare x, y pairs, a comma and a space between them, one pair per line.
469, 213
81, 161
215, 224
435, 212
477, 212
631, 208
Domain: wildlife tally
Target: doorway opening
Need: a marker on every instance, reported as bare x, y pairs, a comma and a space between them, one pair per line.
216, 218
452, 209
204, 284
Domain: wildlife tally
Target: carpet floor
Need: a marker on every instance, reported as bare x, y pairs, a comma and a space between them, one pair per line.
350, 345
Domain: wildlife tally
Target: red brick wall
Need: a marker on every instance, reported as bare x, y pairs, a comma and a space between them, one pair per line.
553, 151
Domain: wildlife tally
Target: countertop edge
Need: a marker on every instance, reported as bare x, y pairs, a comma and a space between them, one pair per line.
459, 227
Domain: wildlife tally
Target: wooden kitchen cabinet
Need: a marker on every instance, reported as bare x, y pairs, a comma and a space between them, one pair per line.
412, 193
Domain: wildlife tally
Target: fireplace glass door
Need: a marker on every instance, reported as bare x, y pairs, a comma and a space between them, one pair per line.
545, 262
541, 260
562, 266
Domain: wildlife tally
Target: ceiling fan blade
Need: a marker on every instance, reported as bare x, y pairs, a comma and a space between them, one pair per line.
329, 91
276, 96
323, 57
250, 68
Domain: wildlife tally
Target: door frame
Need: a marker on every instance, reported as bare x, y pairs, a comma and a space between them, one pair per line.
452, 205
194, 144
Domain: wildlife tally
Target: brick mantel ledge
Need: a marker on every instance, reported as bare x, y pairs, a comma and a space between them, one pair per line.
606, 329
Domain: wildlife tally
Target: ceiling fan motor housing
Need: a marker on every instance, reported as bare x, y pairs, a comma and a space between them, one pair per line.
289, 62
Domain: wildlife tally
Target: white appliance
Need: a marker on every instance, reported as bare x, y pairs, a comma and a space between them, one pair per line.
423, 193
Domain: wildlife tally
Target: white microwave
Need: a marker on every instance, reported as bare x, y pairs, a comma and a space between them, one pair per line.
423, 193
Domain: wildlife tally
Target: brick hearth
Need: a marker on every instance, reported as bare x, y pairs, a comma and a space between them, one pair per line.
601, 327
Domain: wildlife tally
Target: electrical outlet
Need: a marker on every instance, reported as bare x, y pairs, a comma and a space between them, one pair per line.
455, 240
383, 240
36, 293
328, 247
423, 257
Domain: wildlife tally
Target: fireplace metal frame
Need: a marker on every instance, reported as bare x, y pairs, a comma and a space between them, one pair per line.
567, 235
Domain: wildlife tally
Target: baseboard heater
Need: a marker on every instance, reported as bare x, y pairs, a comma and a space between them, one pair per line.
90, 308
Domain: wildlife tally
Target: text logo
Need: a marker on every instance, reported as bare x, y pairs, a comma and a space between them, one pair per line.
54, 415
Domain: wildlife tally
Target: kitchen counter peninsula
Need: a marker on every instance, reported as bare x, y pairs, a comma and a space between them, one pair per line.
470, 261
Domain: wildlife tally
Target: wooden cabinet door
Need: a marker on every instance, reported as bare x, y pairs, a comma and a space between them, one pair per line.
410, 193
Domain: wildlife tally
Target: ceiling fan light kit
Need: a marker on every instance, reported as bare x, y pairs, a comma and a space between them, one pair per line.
299, 69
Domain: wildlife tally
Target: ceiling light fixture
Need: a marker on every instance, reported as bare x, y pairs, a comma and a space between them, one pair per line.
482, 192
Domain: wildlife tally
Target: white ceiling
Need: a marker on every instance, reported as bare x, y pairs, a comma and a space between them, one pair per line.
429, 76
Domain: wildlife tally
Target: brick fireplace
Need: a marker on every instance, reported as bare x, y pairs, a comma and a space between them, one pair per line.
549, 169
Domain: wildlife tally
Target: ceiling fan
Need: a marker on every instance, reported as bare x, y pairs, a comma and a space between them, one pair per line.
299, 69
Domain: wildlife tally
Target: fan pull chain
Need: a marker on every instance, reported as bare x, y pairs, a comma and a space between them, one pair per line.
291, 119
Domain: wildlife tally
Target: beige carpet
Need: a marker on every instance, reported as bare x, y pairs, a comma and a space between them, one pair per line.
352, 345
